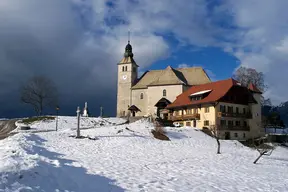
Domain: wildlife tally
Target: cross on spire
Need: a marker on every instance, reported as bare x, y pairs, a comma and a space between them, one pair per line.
129, 36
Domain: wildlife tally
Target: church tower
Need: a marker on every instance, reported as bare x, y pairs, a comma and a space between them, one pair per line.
127, 77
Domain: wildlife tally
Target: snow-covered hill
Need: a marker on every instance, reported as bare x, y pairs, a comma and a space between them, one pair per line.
127, 158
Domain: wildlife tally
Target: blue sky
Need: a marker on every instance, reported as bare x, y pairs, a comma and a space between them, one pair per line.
78, 43
217, 63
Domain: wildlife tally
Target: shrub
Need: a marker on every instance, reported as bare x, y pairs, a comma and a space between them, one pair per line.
34, 119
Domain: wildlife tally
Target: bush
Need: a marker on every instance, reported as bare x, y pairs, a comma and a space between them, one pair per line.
159, 132
34, 119
160, 136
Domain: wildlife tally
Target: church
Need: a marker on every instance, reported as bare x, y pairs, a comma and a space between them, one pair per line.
150, 93
187, 97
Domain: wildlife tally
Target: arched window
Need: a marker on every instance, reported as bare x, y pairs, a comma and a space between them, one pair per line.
164, 93
125, 68
141, 96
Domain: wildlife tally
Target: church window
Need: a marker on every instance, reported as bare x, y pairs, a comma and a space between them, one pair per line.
125, 68
164, 93
141, 96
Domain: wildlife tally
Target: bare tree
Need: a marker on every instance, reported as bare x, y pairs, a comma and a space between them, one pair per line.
248, 75
264, 148
39, 92
215, 134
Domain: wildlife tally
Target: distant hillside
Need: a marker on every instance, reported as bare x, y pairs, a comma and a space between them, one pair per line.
282, 110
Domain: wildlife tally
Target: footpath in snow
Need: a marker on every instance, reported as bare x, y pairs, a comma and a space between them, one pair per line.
127, 158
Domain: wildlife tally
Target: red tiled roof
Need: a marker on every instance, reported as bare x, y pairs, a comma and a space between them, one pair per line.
219, 89
253, 88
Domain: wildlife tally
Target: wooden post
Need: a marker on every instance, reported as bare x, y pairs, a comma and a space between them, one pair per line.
78, 122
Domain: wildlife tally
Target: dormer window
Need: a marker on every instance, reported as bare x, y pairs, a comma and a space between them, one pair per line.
200, 95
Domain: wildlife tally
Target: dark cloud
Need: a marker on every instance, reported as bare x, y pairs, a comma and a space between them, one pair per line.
78, 43
46, 38
51, 38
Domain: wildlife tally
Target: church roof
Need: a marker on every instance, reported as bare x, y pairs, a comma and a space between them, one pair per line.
170, 76
127, 60
128, 55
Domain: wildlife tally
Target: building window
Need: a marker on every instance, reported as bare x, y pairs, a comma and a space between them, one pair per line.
230, 109
206, 109
230, 123
245, 124
206, 123
189, 111
195, 111
244, 110
244, 135
188, 124
125, 68
237, 123
164, 93
222, 108
235, 134
223, 122
237, 110
141, 96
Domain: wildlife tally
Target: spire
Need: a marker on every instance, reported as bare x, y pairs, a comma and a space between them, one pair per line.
129, 37
128, 48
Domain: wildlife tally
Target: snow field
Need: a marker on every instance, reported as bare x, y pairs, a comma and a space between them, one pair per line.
132, 160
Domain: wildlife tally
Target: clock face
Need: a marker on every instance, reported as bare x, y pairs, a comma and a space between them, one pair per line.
124, 77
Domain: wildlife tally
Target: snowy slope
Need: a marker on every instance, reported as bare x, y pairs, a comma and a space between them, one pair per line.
66, 122
128, 158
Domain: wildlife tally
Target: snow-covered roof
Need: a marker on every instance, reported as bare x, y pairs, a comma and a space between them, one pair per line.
200, 92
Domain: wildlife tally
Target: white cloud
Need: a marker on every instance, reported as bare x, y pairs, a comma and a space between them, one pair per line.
183, 65
260, 40
78, 43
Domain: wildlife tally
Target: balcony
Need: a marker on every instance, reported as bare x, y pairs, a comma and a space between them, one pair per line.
184, 117
234, 128
235, 115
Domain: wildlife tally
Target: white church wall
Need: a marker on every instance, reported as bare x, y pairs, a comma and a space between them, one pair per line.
155, 93
138, 102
